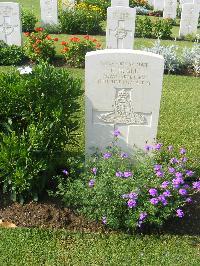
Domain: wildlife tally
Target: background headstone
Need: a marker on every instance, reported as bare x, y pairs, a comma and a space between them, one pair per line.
68, 4
170, 7
49, 12
189, 19
123, 91
124, 3
158, 4
10, 23
120, 27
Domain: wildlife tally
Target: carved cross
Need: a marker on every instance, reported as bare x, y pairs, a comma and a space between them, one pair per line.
123, 114
120, 33
6, 27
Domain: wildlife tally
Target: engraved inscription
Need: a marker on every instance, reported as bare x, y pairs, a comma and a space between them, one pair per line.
123, 111
125, 74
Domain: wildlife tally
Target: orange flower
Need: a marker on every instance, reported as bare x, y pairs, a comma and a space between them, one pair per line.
55, 39
98, 45
87, 37
39, 29
48, 37
38, 41
63, 43
26, 34
94, 40
75, 39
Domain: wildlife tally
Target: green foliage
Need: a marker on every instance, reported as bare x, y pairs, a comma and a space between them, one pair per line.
143, 3
11, 55
28, 20
115, 189
75, 50
159, 28
37, 122
84, 19
40, 46
102, 4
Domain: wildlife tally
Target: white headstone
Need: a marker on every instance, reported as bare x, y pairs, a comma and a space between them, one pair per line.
158, 4
123, 91
189, 19
49, 12
197, 2
185, 2
120, 27
68, 4
170, 7
10, 23
124, 3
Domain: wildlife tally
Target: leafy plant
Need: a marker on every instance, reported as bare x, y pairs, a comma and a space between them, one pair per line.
11, 55
83, 19
163, 28
172, 62
191, 59
40, 45
126, 192
28, 20
75, 50
38, 121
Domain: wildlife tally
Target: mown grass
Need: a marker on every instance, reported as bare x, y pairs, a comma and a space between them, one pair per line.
45, 247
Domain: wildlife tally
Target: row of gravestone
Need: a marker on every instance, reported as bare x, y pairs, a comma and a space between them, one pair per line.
10, 22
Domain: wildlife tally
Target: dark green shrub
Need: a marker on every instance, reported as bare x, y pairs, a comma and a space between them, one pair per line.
163, 28
11, 55
84, 19
126, 192
28, 20
144, 27
37, 122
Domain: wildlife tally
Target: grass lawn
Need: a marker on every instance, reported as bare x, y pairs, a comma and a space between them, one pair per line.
45, 247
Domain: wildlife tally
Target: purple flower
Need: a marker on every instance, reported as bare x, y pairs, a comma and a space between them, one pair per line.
157, 167
179, 213
125, 196
177, 182
154, 201
107, 155
142, 217
91, 183
196, 185
159, 174
104, 220
94, 171
184, 159
170, 148
167, 193
179, 175
124, 155
182, 151
148, 147
131, 203
189, 173
188, 200
127, 174
153, 192
65, 172
116, 133
182, 192
158, 146
165, 184
174, 161
133, 195
186, 186
119, 174
171, 170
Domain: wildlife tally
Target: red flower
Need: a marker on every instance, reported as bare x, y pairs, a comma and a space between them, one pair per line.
38, 41
75, 39
26, 34
87, 37
94, 40
55, 39
48, 37
39, 29
63, 43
